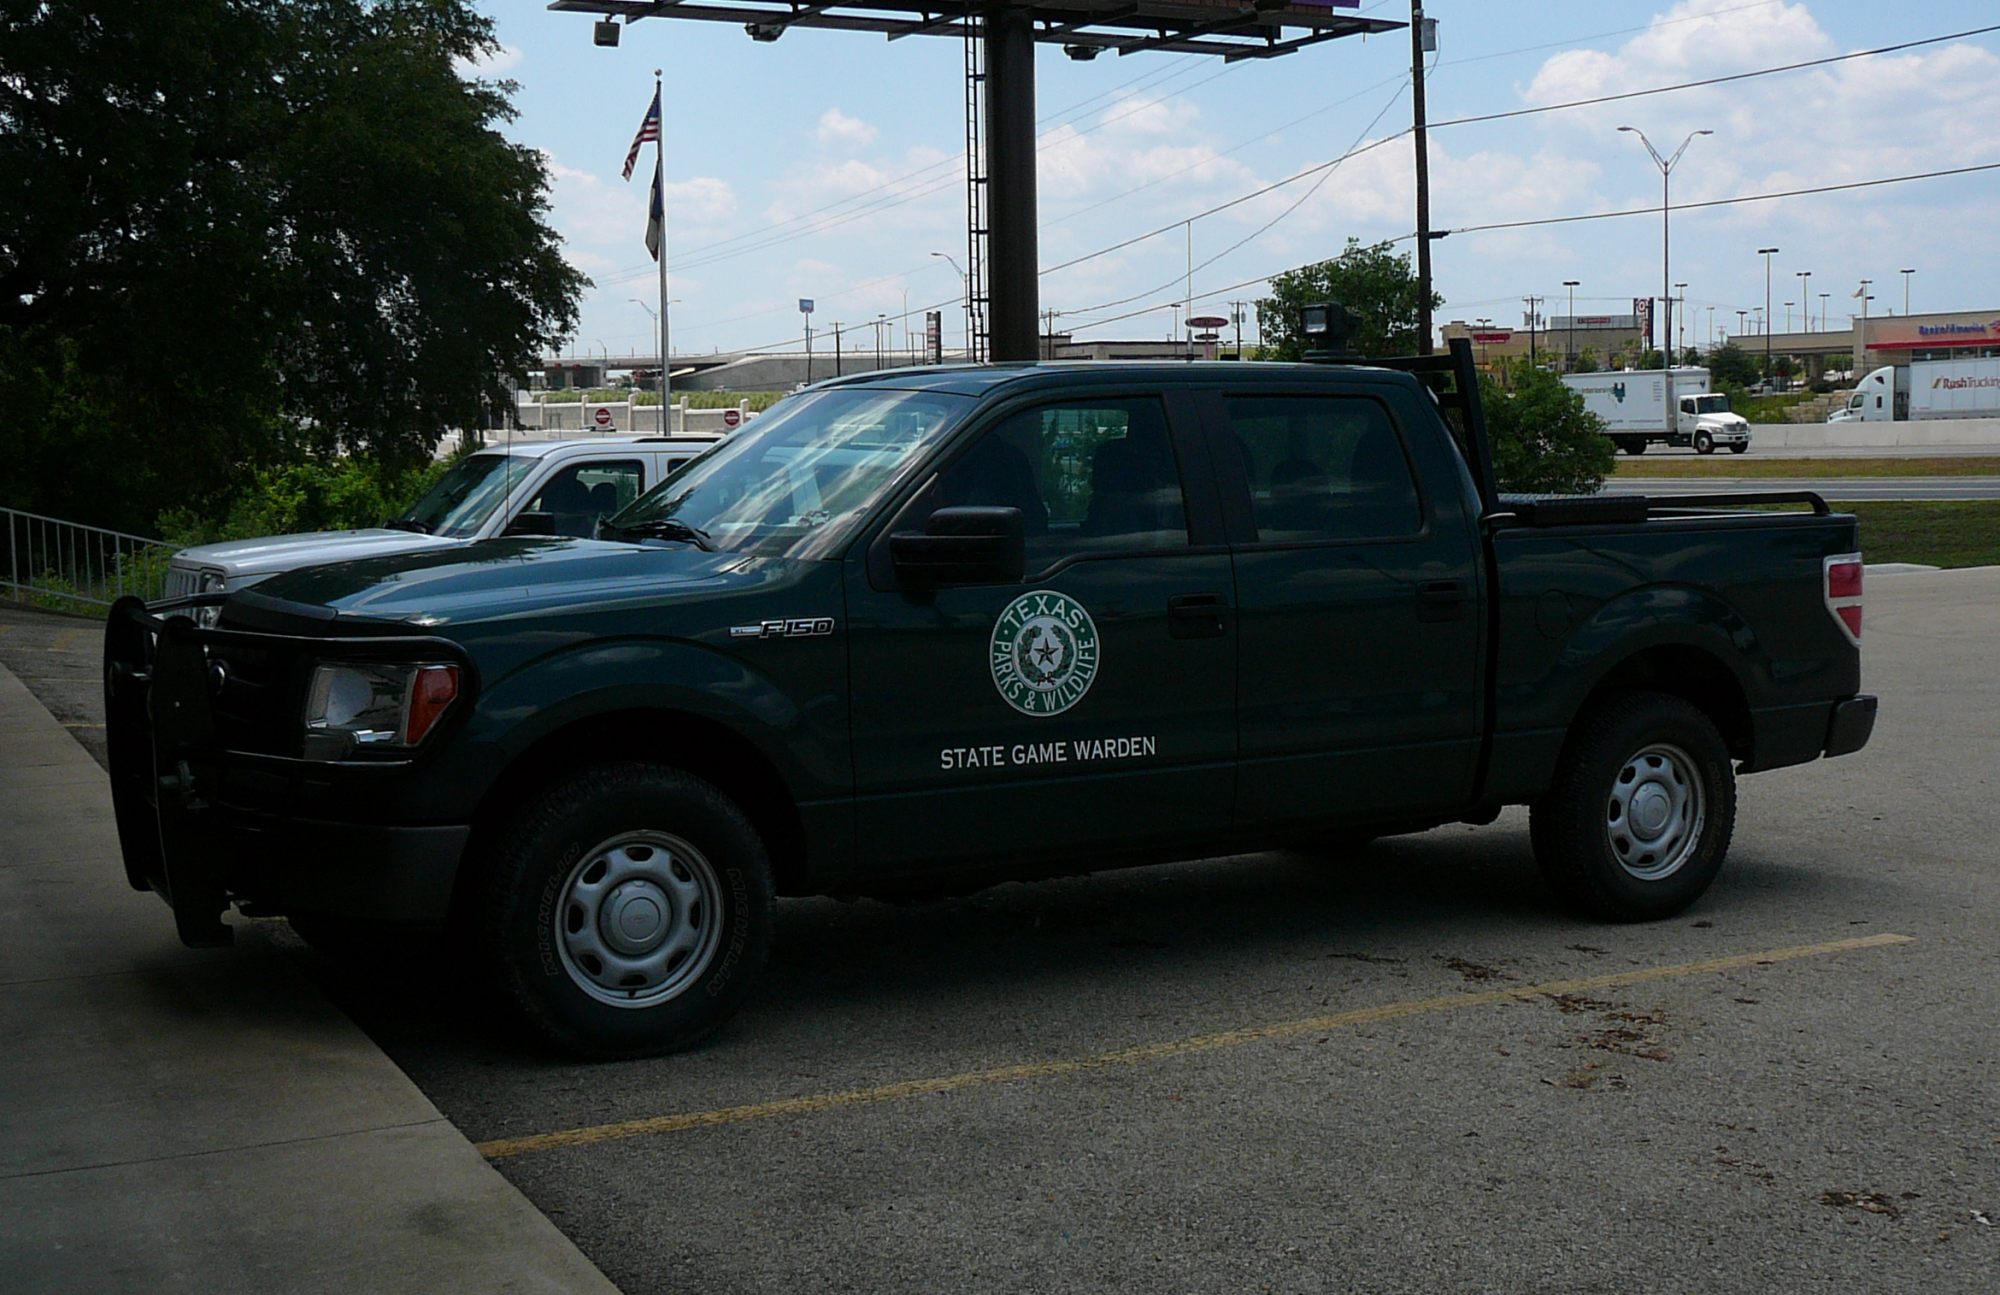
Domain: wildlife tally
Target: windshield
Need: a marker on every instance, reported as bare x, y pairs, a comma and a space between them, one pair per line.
459, 504
794, 483
1717, 404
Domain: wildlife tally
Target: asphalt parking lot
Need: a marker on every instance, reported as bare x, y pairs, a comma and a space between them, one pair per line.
1398, 1070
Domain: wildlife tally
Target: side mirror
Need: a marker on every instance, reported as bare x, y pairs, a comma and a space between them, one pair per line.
963, 546
532, 524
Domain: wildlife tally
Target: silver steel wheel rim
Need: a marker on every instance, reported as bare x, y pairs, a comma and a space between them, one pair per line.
1656, 813
640, 919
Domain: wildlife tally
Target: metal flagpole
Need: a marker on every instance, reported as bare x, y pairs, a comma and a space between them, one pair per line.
660, 157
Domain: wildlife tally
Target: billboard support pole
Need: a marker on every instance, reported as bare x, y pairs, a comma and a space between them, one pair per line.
1013, 257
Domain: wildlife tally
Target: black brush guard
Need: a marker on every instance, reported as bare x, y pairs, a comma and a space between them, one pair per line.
167, 762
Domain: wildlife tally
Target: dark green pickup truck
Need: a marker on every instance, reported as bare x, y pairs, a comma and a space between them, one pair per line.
919, 630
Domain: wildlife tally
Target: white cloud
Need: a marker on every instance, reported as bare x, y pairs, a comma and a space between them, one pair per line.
491, 63
836, 127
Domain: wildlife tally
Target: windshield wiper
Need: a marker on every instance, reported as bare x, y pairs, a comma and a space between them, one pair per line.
407, 524
667, 528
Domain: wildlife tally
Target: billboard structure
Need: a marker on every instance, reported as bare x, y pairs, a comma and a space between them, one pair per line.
1000, 41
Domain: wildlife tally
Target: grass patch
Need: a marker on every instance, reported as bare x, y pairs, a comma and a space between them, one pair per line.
1751, 466
1934, 532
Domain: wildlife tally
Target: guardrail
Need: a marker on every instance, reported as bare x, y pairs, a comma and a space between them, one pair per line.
67, 566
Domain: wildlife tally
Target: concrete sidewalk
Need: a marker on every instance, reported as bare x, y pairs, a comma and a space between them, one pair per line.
202, 1121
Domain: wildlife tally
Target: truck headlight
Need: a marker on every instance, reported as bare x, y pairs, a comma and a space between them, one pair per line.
374, 704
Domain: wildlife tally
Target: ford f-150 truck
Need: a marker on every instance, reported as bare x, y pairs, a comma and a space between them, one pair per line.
916, 631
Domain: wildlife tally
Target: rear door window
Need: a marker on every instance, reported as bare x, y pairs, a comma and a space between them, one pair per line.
1323, 468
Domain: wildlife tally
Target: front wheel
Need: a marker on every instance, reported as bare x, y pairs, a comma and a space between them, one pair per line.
627, 911
1704, 443
1638, 820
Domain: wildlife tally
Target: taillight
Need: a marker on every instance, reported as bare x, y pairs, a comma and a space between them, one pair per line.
1843, 592
432, 691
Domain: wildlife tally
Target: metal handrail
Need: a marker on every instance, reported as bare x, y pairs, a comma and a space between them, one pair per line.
65, 564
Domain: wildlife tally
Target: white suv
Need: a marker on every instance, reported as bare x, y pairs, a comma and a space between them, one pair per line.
562, 487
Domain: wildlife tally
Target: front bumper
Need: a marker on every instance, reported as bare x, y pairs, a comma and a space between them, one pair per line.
204, 824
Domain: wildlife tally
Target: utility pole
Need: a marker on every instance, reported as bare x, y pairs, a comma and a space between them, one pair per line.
1766, 252
1420, 34
1049, 335
836, 349
1236, 317
1569, 336
1534, 305
1681, 301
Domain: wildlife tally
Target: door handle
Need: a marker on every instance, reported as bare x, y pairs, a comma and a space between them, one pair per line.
1197, 616
1442, 600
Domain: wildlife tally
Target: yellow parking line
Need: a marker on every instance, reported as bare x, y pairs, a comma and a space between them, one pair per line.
500, 1148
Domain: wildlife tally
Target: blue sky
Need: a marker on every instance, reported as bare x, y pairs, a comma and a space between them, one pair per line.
762, 136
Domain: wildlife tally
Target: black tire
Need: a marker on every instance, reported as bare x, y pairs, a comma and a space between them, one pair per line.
1744, 448
1571, 825
1633, 445
1704, 443
553, 838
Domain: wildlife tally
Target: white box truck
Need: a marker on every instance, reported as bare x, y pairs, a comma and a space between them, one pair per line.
1634, 405
1957, 388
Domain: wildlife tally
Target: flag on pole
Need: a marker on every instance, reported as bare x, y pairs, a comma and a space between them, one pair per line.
649, 131
655, 216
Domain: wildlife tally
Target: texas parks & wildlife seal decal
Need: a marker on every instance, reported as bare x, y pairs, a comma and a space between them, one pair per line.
1044, 653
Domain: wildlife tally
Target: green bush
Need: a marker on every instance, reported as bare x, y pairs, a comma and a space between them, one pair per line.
1544, 440
312, 494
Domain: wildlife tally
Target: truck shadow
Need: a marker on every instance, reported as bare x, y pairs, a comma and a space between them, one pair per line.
855, 969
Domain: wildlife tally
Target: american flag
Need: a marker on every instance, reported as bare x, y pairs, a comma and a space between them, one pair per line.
649, 131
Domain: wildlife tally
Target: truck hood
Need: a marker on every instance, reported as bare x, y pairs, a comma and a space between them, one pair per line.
273, 553
506, 578
1722, 422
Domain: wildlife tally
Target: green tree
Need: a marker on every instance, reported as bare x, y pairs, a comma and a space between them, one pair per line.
1544, 440
1378, 285
235, 230
1586, 361
1730, 365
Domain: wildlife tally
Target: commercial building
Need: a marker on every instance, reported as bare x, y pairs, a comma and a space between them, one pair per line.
1605, 337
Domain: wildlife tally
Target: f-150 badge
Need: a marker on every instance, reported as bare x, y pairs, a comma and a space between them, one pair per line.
1043, 653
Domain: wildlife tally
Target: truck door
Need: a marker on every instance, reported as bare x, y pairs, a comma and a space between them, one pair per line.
1092, 704
1358, 592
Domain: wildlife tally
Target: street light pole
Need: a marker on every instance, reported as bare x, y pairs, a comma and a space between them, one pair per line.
1666, 165
965, 289
1906, 290
1569, 335
1805, 295
1766, 253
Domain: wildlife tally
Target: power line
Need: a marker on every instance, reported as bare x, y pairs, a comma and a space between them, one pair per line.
1719, 202
1562, 220
1718, 80
1519, 112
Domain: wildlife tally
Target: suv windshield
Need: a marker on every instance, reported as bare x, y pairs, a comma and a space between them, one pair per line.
794, 483
1717, 404
459, 504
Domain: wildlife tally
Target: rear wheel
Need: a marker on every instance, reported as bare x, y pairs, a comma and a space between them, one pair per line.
628, 910
1633, 444
1638, 820
1740, 449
